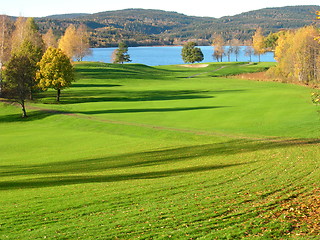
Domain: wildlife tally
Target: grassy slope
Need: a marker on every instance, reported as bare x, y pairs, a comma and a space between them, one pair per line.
180, 161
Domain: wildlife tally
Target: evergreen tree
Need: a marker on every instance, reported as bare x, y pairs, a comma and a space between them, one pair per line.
55, 71
191, 54
121, 55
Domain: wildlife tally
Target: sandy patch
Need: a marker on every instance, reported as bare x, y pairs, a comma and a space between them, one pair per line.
195, 65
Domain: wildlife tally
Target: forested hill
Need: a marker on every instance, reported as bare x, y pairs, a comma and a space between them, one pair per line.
156, 27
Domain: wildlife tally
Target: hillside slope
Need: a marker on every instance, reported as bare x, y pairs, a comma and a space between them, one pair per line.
157, 27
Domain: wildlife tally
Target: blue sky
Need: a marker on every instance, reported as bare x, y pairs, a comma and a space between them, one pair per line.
211, 8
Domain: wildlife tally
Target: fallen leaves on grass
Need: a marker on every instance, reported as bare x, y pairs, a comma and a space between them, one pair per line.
303, 213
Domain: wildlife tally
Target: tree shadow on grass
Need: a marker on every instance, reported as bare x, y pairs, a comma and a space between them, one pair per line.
104, 95
124, 72
144, 110
130, 96
38, 115
32, 116
87, 167
69, 180
83, 85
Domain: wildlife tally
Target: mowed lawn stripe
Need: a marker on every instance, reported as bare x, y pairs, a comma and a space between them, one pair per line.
126, 159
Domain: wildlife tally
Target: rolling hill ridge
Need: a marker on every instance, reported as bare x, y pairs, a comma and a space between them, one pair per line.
140, 27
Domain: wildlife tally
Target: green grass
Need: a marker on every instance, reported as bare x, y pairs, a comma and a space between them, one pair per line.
138, 152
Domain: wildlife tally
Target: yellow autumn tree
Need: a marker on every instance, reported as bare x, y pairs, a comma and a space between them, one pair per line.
258, 43
297, 54
6, 27
283, 54
49, 39
75, 42
218, 44
318, 17
68, 41
19, 33
82, 48
307, 51
26, 30
55, 71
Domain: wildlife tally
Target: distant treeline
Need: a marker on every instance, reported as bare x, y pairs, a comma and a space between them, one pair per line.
138, 27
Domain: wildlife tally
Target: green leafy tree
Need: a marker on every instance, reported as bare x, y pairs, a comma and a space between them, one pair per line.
18, 74
28, 42
55, 71
270, 41
34, 53
120, 55
191, 54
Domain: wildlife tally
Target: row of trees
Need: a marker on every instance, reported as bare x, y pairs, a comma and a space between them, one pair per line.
259, 45
31, 62
298, 56
256, 46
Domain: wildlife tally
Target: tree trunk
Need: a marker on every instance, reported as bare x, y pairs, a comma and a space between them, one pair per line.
24, 112
30, 95
58, 95
0, 78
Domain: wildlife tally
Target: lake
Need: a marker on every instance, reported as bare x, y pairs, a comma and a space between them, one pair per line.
154, 56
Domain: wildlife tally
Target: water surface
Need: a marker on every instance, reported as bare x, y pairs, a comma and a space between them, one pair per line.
154, 56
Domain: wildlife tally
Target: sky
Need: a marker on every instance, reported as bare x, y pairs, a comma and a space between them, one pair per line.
203, 8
